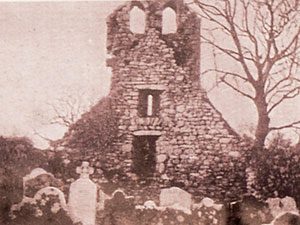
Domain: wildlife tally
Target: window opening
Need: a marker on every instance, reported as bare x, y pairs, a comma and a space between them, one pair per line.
149, 103
169, 21
137, 20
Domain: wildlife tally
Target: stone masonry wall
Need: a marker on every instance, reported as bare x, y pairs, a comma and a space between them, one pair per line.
196, 148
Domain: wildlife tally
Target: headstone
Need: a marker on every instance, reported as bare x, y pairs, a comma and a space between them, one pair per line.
274, 206
150, 205
120, 200
48, 191
289, 204
278, 206
209, 212
119, 209
34, 173
83, 197
253, 211
176, 198
286, 219
48, 198
210, 203
37, 180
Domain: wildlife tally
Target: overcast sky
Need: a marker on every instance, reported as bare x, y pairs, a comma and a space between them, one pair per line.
51, 50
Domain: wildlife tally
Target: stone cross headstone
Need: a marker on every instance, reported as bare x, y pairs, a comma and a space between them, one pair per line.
83, 197
176, 198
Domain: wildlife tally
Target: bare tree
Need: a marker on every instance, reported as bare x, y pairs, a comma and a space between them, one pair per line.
67, 109
61, 113
261, 37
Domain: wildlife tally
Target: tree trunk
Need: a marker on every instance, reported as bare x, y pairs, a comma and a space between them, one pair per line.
263, 123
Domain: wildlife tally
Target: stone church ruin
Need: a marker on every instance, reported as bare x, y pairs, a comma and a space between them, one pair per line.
155, 150
169, 132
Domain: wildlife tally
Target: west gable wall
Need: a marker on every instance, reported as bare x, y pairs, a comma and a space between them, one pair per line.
197, 149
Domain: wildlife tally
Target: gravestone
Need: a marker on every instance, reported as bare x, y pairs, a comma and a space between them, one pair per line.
274, 206
176, 198
83, 197
44, 194
209, 212
119, 209
289, 204
278, 206
38, 179
47, 205
253, 211
286, 219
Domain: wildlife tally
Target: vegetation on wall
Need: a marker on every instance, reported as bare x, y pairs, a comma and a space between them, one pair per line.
96, 129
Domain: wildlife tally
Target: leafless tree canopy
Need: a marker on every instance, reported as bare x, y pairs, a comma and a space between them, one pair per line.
262, 38
69, 108
67, 111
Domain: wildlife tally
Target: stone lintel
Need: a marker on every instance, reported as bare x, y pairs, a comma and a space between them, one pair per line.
147, 133
157, 87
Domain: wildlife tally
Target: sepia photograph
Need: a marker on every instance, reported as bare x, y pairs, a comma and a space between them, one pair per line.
150, 112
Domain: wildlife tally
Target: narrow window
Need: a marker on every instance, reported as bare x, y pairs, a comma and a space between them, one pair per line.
137, 20
169, 22
144, 155
149, 103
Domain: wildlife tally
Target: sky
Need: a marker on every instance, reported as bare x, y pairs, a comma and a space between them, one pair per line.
54, 50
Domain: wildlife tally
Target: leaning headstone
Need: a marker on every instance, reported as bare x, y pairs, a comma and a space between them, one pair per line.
176, 198
83, 197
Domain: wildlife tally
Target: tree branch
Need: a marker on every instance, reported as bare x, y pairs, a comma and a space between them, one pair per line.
42, 136
289, 95
291, 125
236, 89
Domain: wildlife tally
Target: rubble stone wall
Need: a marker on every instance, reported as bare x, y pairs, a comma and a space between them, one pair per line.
196, 148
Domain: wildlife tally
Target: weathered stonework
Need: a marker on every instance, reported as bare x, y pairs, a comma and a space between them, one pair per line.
195, 147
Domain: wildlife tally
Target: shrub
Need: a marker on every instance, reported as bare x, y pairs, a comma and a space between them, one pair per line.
17, 158
277, 169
